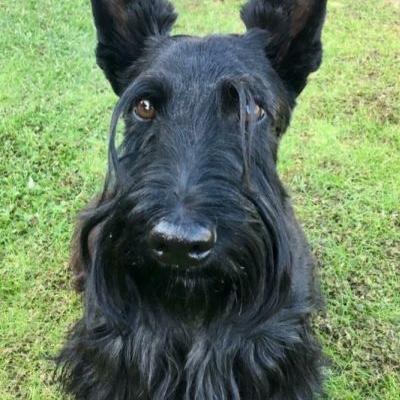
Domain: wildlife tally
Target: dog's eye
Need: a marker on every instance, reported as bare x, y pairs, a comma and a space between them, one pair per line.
254, 113
144, 110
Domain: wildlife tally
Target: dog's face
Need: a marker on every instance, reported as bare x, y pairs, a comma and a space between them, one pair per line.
193, 205
202, 126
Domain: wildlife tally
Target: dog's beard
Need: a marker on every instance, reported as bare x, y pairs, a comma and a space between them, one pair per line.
124, 279
241, 275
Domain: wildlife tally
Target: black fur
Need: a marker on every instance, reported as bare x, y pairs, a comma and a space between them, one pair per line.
236, 326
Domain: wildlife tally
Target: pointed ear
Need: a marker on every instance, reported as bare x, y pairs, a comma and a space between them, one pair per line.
123, 26
293, 30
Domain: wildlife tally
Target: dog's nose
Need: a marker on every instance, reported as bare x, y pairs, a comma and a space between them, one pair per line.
182, 245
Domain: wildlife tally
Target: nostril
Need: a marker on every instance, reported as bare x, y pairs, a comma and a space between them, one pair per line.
198, 254
203, 246
159, 246
196, 249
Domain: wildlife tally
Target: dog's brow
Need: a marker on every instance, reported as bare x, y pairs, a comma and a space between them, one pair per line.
277, 106
148, 86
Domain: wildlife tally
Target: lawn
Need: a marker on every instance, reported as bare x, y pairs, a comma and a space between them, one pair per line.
340, 160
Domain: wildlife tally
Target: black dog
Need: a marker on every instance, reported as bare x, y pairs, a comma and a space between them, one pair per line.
198, 282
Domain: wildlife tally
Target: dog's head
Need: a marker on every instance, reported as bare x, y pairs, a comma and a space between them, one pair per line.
193, 206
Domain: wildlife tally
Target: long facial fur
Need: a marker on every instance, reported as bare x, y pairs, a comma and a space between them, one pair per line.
237, 328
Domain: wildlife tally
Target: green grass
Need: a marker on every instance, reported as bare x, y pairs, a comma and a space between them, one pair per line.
340, 159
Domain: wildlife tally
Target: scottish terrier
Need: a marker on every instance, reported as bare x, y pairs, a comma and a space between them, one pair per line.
197, 281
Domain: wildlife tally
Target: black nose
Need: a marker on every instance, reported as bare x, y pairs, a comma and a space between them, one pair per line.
181, 245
